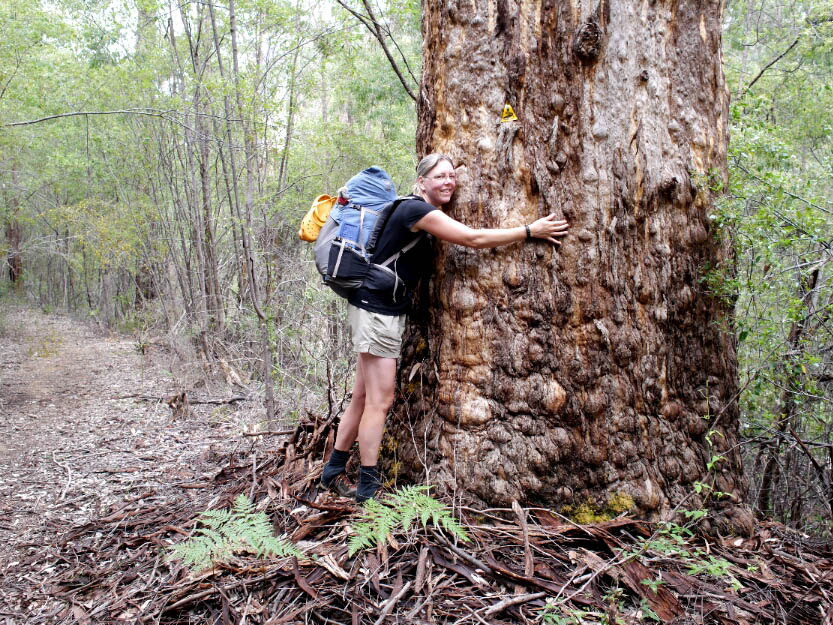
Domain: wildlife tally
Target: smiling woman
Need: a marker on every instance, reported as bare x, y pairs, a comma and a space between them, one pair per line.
377, 317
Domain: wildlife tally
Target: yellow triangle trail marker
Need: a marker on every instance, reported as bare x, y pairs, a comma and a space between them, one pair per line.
508, 115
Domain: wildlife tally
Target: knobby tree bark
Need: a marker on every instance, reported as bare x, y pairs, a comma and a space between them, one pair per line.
558, 376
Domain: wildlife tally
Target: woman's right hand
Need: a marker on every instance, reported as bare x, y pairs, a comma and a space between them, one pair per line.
549, 228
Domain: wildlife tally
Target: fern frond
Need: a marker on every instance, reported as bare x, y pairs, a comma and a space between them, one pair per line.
215, 518
361, 539
226, 532
402, 508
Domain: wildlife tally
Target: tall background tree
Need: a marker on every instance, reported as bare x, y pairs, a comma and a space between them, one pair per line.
604, 370
779, 65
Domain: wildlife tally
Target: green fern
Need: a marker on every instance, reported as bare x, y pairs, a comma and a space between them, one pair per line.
226, 532
401, 509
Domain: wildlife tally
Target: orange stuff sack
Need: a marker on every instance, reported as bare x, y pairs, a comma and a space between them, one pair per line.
316, 217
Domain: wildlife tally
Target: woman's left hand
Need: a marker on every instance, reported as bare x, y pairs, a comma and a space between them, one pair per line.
549, 228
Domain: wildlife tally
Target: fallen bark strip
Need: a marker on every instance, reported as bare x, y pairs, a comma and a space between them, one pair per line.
508, 573
466, 556
520, 514
345, 509
455, 568
661, 600
302, 581
190, 599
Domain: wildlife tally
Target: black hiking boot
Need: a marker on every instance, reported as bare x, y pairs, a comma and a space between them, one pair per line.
340, 485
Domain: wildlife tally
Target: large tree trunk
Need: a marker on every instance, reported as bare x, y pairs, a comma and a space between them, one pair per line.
14, 237
14, 258
561, 376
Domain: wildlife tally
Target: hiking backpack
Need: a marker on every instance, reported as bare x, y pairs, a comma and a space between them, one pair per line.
346, 244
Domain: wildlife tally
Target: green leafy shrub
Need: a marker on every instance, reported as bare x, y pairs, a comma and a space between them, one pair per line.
673, 541
46, 346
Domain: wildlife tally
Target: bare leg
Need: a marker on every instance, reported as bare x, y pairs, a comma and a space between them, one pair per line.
364, 419
348, 427
379, 378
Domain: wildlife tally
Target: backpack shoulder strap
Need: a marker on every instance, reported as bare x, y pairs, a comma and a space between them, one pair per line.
411, 245
382, 221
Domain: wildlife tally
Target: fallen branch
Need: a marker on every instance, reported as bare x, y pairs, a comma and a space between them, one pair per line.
66, 468
500, 606
270, 433
161, 398
390, 603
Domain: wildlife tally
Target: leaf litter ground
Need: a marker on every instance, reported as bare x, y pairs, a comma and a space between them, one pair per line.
95, 490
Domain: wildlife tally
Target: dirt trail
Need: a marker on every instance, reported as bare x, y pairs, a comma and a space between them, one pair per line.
71, 450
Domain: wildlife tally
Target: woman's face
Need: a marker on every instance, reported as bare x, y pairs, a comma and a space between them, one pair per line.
438, 184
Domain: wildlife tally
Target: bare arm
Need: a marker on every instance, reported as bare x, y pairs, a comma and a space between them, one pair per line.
444, 227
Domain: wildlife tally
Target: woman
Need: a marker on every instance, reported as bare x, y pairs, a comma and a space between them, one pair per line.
377, 320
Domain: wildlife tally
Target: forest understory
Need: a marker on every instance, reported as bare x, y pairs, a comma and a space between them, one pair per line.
101, 475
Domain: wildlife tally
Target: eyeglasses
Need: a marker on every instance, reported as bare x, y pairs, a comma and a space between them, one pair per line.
450, 177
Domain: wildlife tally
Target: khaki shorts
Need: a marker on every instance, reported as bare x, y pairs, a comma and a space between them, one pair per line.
374, 333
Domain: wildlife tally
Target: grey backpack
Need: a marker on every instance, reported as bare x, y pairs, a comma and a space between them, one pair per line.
344, 249
346, 263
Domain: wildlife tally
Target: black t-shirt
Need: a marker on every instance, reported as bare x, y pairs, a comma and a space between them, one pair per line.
410, 266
